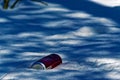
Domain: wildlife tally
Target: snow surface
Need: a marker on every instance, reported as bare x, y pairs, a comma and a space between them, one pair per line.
85, 34
109, 3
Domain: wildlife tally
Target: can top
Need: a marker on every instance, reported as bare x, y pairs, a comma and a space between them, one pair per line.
38, 65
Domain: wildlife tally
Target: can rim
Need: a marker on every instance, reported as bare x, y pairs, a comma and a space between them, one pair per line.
39, 63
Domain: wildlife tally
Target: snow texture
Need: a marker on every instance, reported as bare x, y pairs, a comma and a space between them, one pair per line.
84, 33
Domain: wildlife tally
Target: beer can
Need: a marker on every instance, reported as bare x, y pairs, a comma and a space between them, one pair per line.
47, 62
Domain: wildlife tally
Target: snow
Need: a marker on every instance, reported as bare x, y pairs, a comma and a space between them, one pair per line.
3, 20
87, 40
109, 3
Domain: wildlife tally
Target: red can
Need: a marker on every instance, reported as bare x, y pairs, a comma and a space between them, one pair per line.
48, 62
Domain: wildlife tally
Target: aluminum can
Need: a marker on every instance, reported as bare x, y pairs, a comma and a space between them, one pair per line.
47, 62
